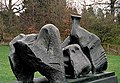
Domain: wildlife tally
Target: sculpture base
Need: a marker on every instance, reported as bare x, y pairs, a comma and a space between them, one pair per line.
106, 77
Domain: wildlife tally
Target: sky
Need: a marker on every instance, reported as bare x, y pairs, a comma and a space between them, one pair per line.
77, 4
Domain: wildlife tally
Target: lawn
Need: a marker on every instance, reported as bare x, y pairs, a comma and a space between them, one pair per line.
114, 65
6, 75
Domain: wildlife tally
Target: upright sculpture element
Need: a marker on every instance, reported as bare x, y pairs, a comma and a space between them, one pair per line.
42, 52
20, 56
80, 53
89, 43
76, 63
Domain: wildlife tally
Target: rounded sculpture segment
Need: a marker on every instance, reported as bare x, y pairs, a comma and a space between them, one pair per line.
80, 53
41, 52
90, 44
49, 43
77, 63
20, 57
12, 49
47, 47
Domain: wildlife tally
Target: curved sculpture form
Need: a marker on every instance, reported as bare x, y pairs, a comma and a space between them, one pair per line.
19, 58
89, 43
80, 53
76, 62
42, 52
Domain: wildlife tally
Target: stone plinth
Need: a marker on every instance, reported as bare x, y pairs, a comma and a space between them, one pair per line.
107, 77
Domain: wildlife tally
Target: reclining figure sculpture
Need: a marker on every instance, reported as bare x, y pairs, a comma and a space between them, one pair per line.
80, 53
42, 52
89, 43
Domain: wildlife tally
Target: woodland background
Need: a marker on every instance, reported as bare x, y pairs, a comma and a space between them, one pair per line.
28, 16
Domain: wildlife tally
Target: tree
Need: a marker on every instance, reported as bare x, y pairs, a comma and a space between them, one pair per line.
41, 12
100, 13
112, 6
87, 17
9, 19
118, 18
1, 29
104, 28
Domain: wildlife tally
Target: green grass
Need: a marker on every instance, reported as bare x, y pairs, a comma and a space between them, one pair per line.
6, 75
114, 65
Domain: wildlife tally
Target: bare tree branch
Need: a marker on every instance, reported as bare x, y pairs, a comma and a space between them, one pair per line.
117, 7
19, 4
96, 4
2, 4
15, 6
15, 2
96, 0
18, 9
5, 1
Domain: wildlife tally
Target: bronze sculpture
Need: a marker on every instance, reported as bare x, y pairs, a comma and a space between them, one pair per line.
80, 53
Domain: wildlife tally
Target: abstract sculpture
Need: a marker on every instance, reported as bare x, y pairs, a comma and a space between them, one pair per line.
42, 52
80, 53
76, 63
89, 43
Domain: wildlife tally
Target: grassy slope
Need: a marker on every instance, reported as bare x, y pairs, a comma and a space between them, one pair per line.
6, 75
